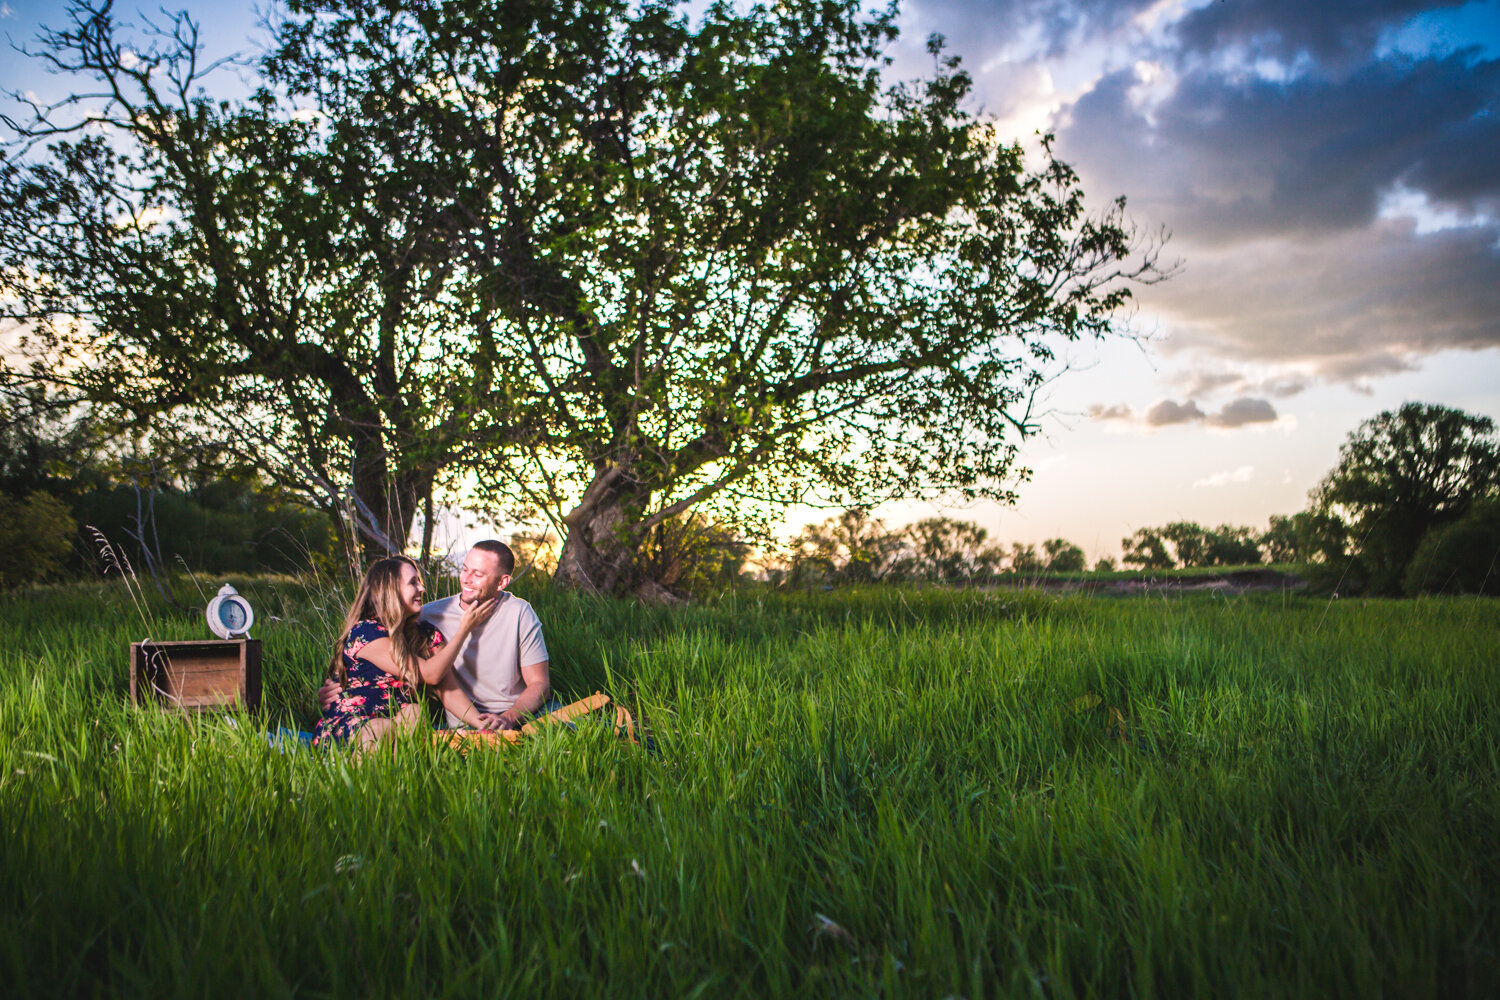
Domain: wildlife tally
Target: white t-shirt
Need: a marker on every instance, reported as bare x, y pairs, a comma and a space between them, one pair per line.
490, 660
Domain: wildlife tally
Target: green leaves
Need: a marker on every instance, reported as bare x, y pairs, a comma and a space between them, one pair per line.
1404, 473
560, 242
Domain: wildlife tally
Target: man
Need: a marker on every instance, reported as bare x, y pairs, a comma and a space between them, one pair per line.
502, 665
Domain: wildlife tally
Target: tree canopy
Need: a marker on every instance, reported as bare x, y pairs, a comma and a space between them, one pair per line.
1404, 473
604, 263
1189, 544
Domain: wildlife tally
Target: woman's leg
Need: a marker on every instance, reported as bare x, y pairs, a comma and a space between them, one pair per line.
383, 729
368, 736
408, 717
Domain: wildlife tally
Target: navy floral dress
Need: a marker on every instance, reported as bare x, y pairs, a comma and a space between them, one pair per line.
369, 692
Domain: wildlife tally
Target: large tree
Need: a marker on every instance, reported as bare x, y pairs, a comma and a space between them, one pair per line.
618, 263
1404, 473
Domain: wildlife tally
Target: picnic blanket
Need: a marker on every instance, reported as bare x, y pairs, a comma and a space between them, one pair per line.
465, 740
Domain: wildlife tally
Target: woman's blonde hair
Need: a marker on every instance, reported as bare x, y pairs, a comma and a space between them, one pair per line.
379, 598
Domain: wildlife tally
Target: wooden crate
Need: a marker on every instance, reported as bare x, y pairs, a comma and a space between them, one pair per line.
207, 674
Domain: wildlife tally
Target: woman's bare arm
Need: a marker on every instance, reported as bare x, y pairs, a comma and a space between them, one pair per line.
433, 669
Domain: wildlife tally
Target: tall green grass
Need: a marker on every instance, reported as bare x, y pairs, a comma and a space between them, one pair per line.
882, 792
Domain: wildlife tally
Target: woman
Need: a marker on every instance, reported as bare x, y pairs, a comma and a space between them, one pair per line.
385, 650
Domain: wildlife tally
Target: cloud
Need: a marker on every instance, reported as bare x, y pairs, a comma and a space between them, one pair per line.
1458, 168
1226, 152
1336, 31
1279, 194
1118, 411
1197, 383
1348, 305
1285, 386
1019, 27
1243, 474
1327, 170
1167, 412
1204, 383
1227, 159
1349, 367
1244, 411
1355, 371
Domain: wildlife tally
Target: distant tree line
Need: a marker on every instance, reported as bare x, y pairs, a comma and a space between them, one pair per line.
1187, 544
854, 547
163, 508
1412, 507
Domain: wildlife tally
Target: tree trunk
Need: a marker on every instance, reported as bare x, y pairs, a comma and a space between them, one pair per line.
389, 503
426, 560
599, 554
403, 498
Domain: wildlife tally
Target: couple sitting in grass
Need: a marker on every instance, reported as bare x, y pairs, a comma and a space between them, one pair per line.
481, 650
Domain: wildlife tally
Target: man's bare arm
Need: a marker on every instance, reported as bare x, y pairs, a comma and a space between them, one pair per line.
538, 683
458, 703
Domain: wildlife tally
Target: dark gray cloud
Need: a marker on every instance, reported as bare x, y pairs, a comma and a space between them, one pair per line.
1275, 193
1461, 167
1244, 411
1348, 306
1306, 168
1331, 31
1169, 412
1232, 159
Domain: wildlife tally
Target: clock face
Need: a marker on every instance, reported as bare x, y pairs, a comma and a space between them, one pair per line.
232, 615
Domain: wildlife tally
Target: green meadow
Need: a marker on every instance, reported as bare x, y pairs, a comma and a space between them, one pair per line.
885, 792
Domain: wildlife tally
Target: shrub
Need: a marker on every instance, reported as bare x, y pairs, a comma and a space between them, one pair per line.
36, 538
1459, 558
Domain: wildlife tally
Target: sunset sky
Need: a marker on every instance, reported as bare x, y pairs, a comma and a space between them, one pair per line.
1330, 177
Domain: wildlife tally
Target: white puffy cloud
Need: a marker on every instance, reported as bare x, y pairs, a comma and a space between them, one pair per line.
1243, 474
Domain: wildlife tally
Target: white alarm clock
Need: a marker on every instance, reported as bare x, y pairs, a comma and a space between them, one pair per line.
230, 615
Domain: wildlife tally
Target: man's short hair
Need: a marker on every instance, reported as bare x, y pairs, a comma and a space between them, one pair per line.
500, 551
